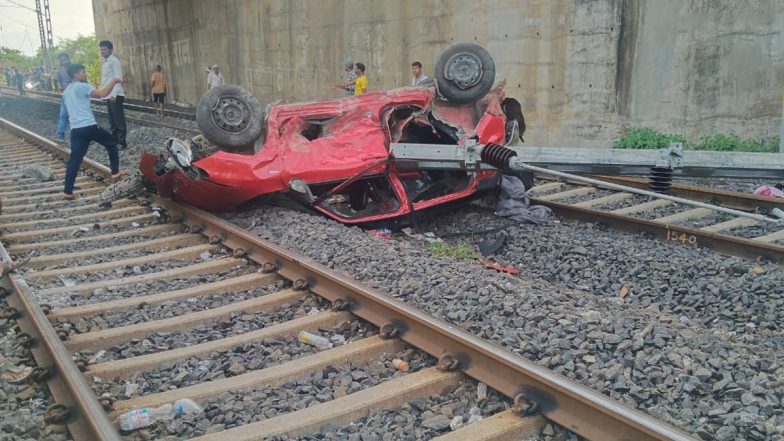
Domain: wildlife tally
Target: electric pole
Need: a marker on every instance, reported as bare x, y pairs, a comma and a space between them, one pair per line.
45, 32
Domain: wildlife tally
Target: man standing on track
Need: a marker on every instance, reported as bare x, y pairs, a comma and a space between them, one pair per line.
111, 69
158, 89
63, 80
84, 128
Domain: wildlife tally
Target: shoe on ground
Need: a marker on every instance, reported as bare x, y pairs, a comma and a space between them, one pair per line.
16, 375
119, 175
69, 197
60, 139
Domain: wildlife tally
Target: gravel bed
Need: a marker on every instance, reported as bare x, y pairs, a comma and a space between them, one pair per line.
143, 289
418, 419
96, 229
105, 258
729, 184
229, 363
237, 323
159, 311
120, 272
98, 244
232, 409
707, 325
47, 223
585, 197
23, 406
756, 231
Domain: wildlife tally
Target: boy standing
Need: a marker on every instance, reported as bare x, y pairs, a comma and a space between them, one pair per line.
111, 68
84, 128
158, 89
418, 78
361, 83
63, 80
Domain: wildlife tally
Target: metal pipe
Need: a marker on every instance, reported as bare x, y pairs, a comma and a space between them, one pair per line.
517, 164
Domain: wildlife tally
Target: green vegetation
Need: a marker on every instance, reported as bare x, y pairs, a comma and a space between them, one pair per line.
647, 138
82, 49
14, 57
460, 251
733, 143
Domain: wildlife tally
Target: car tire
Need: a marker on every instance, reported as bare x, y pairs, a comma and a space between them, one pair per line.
464, 73
230, 117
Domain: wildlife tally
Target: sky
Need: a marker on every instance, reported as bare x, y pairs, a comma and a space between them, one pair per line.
19, 26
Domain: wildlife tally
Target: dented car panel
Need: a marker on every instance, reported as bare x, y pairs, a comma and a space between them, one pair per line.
340, 149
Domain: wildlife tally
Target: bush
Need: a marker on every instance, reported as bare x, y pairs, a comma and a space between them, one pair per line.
647, 138
728, 143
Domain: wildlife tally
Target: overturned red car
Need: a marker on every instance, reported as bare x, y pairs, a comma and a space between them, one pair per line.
335, 156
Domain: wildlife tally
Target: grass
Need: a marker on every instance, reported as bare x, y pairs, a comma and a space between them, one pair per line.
647, 138
459, 251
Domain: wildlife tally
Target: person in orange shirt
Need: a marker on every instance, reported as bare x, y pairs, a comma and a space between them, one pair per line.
158, 89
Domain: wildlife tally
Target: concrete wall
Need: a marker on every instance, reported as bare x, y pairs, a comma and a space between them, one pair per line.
583, 69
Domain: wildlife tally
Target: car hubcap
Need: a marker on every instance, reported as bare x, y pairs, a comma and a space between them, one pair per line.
464, 70
231, 115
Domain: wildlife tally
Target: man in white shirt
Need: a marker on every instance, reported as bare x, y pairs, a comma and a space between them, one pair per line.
215, 77
418, 79
110, 69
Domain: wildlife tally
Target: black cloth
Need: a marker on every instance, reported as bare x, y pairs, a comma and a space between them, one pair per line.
117, 119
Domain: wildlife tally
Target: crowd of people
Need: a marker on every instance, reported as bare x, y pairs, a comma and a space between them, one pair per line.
356, 82
32, 78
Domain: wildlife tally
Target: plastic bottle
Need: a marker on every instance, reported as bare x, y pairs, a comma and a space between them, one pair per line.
314, 340
146, 416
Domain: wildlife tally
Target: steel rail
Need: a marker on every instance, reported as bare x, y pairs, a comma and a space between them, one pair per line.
517, 165
129, 105
731, 199
76, 404
141, 121
721, 243
563, 401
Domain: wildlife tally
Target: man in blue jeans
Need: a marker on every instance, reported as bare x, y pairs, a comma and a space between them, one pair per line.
84, 128
63, 80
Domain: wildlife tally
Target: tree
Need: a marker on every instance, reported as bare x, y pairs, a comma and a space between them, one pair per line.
14, 57
83, 50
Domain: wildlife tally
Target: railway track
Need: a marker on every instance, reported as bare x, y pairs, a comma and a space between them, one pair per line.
100, 108
135, 106
678, 224
111, 291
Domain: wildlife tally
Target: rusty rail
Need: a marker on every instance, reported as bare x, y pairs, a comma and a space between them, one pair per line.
563, 401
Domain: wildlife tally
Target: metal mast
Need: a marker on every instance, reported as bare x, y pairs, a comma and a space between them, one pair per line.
48, 22
44, 31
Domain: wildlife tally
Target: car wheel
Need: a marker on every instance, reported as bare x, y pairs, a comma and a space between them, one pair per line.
464, 73
230, 117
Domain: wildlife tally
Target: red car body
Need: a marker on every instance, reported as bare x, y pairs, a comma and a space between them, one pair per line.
340, 149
